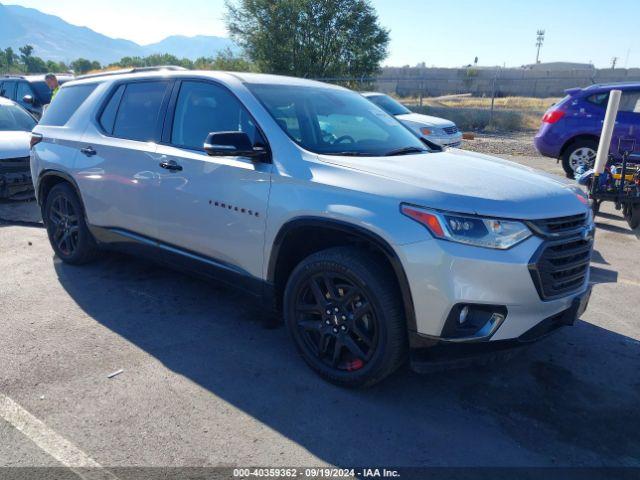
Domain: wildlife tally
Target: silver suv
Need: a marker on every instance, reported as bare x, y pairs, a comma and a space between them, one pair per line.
370, 242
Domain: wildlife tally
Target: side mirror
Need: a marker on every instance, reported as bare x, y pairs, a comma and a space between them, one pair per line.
232, 144
28, 99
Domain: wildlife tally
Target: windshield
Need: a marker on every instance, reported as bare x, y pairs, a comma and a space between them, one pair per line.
14, 118
335, 122
389, 105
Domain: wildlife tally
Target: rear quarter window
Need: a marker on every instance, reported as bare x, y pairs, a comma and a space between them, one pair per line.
600, 99
65, 104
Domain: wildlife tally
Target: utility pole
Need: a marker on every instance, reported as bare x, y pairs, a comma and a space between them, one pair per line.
539, 42
614, 60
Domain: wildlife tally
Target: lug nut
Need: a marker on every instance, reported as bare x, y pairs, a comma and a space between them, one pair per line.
343, 328
336, 310
335, 330
343, 318
328, 312
327, 322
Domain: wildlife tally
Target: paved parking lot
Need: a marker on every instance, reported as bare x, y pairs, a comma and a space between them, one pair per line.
203, 384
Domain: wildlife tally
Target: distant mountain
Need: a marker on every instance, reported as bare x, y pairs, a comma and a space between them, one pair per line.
55, 39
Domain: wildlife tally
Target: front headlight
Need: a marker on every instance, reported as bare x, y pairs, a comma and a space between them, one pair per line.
468, 229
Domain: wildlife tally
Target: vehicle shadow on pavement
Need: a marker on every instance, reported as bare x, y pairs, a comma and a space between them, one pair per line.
569, 400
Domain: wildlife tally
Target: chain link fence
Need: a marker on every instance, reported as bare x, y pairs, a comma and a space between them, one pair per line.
483, 98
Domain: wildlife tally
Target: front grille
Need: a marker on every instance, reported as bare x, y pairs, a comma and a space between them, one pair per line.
561, 266
451, 130
559, 226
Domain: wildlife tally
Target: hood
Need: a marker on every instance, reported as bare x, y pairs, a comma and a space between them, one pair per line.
14, 144
467, 182
424, 120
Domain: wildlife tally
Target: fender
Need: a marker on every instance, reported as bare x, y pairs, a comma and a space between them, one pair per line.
346, 228
56, 173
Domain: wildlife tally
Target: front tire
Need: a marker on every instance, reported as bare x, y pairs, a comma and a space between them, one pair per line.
342, 308
66, 227
579, 153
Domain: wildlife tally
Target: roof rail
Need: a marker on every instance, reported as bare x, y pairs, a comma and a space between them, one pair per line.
124, 71
13, 75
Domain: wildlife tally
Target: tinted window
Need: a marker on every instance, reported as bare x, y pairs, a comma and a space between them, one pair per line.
600, 99
137, 116
8, 89
630, 101
67, 101
42, 91
23, 89
108, 117
389, 105
13, 118
335, 121
203, 108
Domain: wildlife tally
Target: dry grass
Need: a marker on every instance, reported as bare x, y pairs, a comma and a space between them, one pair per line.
473, 113
505, 103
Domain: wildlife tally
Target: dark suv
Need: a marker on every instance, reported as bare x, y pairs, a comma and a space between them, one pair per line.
30, 91
571, 128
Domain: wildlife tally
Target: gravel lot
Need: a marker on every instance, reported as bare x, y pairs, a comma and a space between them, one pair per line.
203, 384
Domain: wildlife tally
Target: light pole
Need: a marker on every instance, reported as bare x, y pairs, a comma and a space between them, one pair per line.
539, 42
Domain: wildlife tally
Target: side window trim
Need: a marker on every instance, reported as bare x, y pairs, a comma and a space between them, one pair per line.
171, 110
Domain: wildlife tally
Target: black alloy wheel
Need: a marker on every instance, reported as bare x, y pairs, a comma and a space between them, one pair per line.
343, 308
66, 226
336, 321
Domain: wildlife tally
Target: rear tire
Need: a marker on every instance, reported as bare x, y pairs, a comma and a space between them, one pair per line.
343, 310
632, 215
580, 152
66, 226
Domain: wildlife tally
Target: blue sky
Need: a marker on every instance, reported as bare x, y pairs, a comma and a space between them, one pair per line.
441, 33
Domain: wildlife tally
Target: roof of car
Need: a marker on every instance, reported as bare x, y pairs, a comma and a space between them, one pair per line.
611, 86
251, 78
36, 78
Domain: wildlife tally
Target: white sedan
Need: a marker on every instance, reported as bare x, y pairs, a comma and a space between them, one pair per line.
15, 134
437, 130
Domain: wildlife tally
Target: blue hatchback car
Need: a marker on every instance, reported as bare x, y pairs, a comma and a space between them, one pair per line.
571, 128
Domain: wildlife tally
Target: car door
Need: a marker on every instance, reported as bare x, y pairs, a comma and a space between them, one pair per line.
213, 206
117, 169
627, 128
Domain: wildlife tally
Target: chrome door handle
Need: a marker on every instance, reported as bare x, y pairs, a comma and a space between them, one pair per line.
88, 151
171, 165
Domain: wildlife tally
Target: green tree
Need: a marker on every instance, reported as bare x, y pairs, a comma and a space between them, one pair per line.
82, 66
309, 38
225, 60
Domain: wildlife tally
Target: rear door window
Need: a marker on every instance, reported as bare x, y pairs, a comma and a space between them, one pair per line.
630, 101
139, 111
67, 101
8, 89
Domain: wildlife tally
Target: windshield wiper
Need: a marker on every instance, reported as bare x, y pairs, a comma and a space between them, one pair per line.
404, 151
349, 154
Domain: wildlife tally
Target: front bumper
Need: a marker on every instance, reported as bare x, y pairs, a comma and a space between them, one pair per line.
443, 275
454, 140
15, 177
